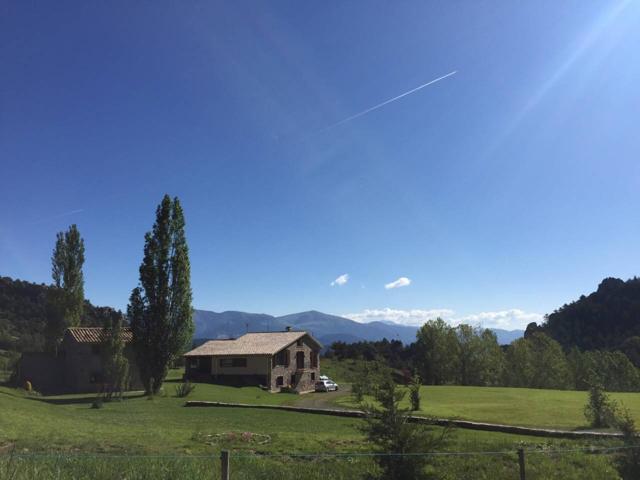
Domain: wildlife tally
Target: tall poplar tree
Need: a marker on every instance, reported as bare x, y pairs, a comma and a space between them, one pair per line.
159, 309
66, 300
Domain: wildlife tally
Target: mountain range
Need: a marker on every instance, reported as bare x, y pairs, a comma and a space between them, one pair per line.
326, 328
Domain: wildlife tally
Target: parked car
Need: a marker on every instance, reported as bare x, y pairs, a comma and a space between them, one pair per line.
323, 377
326, 386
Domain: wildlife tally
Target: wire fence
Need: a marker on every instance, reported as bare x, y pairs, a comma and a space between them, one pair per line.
523, 463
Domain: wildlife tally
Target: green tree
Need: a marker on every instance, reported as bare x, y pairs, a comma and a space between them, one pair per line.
436, 350
388, 428
537, 362
114, 361
491, 359
65, 300
600, 410
159, 310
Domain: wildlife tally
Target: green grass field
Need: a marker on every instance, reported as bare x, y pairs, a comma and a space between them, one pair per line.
162, 426
513, 406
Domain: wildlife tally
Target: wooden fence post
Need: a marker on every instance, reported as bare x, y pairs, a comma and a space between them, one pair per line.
224, 465
521, 463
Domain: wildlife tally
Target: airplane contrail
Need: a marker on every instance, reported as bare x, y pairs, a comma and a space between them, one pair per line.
55, 217
386, 102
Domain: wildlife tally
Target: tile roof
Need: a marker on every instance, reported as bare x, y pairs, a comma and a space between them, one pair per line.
268, 343
95, 334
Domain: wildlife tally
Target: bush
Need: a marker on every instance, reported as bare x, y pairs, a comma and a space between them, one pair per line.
600, 411
628, 463
185, 389
414, 392
98, 402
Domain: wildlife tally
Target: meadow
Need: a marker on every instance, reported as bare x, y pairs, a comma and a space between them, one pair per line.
63, 437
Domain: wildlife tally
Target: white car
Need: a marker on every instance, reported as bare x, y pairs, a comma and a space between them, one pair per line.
326, 386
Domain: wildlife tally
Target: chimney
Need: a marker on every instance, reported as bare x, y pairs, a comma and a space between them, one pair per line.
288, 328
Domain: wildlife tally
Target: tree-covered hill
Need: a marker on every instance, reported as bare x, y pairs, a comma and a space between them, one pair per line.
23, 307
606, 319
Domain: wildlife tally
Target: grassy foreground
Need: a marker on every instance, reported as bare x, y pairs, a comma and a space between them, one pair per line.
63, 437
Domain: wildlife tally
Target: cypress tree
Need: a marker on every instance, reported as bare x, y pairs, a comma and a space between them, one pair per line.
159, 309
65, 301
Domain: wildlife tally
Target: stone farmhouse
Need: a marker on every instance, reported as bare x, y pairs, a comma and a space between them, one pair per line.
77, 367
277, 360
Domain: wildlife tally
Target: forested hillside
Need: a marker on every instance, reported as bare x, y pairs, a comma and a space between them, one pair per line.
23, 307
605, 319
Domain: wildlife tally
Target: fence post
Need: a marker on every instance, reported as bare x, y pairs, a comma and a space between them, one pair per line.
521, 463
224, 465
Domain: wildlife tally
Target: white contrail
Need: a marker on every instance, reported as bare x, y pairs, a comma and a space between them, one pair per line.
368, 110
55, 217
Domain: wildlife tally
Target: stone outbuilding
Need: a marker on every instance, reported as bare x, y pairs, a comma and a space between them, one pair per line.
276, 360
78, 365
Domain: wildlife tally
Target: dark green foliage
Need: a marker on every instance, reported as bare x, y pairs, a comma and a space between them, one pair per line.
23, 315
65, 300
437, 351
603, 320
414, 392
159, 309
370, 375
537, 362
184, 389
600, 411
115, 363
628, 462
388, 429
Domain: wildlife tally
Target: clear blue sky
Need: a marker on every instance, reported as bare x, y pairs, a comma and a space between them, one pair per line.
511, 185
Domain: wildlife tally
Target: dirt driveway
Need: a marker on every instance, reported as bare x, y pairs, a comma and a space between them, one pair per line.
323, 399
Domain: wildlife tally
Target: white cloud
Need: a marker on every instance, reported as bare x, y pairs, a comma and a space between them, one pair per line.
508, 319
341, 280
513, 319
403, 317
401, 282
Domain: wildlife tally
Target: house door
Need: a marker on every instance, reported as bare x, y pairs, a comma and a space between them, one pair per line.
300, 360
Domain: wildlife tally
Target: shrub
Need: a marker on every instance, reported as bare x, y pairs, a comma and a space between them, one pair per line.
98, 402
185, 389
600, 411
414, 392
628, 463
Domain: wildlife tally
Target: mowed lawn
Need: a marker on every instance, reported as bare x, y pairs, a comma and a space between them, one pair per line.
513, 406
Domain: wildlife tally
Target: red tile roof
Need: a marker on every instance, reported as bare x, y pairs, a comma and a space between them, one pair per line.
95, 334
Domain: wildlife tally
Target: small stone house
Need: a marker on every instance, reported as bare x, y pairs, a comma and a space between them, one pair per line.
276, 360
78, 365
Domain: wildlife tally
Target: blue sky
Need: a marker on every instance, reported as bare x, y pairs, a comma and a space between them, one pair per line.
499, 193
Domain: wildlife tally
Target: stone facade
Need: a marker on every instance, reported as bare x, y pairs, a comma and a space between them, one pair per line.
301, 372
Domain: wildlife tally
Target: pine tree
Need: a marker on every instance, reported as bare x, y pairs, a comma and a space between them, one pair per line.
65, 301
159, 310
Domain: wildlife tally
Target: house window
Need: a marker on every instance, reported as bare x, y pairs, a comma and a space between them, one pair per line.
314, 359
313, 376
279, 381
193, 363
233, 362
299, 342
282, 358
